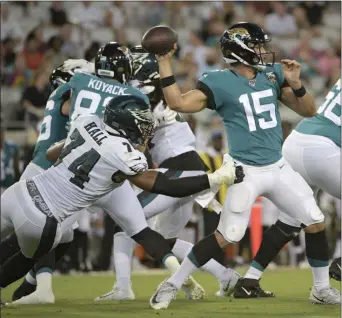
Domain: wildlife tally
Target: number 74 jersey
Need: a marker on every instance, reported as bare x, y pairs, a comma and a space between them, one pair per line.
91, 164
250, 112
327, 122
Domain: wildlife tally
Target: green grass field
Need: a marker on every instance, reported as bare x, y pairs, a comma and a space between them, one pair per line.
75, 294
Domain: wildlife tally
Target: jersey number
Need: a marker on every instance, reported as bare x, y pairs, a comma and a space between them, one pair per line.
93, 107
327, 108
45, 130
259, 108
81, 166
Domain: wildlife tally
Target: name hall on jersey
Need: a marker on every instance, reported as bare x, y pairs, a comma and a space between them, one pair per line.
97, 134
107, 88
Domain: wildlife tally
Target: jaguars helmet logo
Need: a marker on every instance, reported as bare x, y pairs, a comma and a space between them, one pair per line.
239, 33
271, 77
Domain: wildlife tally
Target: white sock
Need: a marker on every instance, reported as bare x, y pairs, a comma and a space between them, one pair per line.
321, 277
186, 269
255, 271
44, 282
30, 278
182, 249
171, 263
123, 251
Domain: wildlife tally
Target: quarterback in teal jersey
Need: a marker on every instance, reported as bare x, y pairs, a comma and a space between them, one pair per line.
246, 97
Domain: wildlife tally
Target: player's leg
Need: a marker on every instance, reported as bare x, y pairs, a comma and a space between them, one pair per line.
317, 159
274, 239
124, 207
294, 197
233, 223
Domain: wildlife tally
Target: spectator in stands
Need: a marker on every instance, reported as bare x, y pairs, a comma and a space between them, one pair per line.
308, 65
305, 45
21, 76
35, 97
69, 47
33, 57
115, 19
54, 53
88, 15
280, 23
329, 62
58, 16
10, 28
7, 52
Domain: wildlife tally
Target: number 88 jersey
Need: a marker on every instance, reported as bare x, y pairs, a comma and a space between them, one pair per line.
327, 122
250, 112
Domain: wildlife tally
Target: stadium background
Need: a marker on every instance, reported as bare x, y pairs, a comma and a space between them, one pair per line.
38, 36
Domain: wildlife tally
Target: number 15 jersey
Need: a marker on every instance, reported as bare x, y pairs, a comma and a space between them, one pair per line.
91, 164
250, 112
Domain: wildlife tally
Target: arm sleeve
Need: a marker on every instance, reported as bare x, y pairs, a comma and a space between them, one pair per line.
181, 187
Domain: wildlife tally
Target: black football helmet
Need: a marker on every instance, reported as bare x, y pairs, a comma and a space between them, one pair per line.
239, 44
114, 60
146, 72
131, 117
59, 77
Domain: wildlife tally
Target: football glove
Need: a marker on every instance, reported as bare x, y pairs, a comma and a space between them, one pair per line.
71, 65
163, 115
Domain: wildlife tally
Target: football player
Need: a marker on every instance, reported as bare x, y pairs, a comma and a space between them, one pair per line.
86, 92
246, 97
172, 147
314, 150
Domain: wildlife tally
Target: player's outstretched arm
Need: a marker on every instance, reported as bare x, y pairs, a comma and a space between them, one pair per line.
295, 96
55, 150
190, 102
156, 182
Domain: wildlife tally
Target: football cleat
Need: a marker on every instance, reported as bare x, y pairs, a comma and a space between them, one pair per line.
227, 286
163, 296
335, 269
36, 298
250, 288
325, 296
118, 293
23, 290
193, 290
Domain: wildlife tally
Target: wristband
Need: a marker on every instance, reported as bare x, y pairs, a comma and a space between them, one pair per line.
167, 81
300, 92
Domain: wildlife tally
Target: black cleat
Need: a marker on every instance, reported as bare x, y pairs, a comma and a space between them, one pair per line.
250, 288
335, 269
23, 290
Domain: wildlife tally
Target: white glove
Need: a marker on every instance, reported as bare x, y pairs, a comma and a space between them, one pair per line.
163, 115
70, 65
224, 175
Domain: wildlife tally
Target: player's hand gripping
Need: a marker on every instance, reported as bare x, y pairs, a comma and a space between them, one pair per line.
167, 56
71, 64
291, 71
163, 115
228, 173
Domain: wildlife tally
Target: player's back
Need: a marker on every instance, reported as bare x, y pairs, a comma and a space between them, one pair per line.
54, 126
327, 122
90, 93
249, 109
87, 167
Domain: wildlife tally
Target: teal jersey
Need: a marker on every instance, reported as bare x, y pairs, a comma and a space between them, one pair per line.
327, 122
54, 127
9, 151
90, 94
250, 112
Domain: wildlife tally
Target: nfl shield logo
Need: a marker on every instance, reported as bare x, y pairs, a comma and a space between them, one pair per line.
252, 83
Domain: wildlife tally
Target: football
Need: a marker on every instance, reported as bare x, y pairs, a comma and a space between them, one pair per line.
159, 40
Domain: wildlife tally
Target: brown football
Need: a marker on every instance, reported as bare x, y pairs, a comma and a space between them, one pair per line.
159, 40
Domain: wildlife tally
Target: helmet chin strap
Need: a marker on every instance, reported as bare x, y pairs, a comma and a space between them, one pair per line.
259, 67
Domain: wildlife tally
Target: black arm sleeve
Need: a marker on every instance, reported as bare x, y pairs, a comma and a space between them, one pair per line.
207, 92
181, 187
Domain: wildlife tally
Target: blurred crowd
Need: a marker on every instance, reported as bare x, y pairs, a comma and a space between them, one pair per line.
36, 37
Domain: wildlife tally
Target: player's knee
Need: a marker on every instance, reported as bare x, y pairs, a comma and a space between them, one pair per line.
233, 233
315, 216
67, 236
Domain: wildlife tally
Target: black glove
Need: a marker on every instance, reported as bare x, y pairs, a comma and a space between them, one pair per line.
239, 175
335, 269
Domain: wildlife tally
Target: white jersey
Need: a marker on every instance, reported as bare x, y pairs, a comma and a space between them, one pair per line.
171, 141
92, 163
